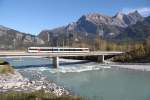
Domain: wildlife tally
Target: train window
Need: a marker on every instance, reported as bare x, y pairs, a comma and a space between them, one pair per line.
41, 49
55, 49
32, 49
61, 49
46, 49
66, 49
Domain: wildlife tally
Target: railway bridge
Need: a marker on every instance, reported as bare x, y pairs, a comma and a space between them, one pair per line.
55, 56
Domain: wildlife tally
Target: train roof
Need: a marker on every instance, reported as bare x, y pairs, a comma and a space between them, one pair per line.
56, 48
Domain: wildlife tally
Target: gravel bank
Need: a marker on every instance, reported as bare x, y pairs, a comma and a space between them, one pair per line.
16, 82
141, 67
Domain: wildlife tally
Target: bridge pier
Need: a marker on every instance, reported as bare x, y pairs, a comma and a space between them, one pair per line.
100, 58
55, 62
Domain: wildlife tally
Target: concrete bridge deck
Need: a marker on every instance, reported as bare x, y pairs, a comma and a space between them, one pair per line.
94, 53
99, 54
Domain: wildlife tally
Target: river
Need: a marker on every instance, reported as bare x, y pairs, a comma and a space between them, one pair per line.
89, 79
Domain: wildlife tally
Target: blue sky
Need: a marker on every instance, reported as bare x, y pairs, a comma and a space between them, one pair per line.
32, 16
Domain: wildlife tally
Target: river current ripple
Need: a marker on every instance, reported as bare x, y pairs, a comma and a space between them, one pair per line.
89, 79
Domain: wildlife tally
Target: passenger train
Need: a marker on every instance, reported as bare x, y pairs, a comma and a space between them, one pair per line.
57, 50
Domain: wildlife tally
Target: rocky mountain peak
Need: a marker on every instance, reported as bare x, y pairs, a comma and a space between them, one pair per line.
134, 17
71, 26
95, 18
135, 13
119, 15
124, 20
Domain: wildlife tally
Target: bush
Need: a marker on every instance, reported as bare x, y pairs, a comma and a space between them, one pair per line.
3, 62
38, 95
4, 69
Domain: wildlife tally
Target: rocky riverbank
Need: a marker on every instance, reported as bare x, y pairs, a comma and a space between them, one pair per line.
133, 66
16, 82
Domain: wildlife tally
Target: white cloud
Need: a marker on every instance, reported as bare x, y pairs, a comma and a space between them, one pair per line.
143, 11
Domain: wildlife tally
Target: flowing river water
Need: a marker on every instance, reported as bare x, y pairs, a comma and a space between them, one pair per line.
89, 79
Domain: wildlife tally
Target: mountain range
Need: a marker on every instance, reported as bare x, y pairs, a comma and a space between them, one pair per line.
93, 24
120, 27
10, 39
139, 31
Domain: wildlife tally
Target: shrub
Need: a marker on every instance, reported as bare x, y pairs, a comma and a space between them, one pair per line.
4, 69
38, 95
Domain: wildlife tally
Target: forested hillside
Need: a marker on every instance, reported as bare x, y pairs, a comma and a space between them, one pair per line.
140, 54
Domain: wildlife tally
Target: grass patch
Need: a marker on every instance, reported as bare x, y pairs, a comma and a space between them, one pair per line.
38, 95
3, 62
5, 67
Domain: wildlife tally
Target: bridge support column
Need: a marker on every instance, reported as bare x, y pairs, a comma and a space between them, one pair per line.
100, 59
55, 62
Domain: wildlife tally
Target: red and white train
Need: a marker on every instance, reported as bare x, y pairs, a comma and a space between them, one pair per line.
57, 50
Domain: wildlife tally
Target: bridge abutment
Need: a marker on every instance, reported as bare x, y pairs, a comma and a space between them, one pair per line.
100, 58
55, 62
